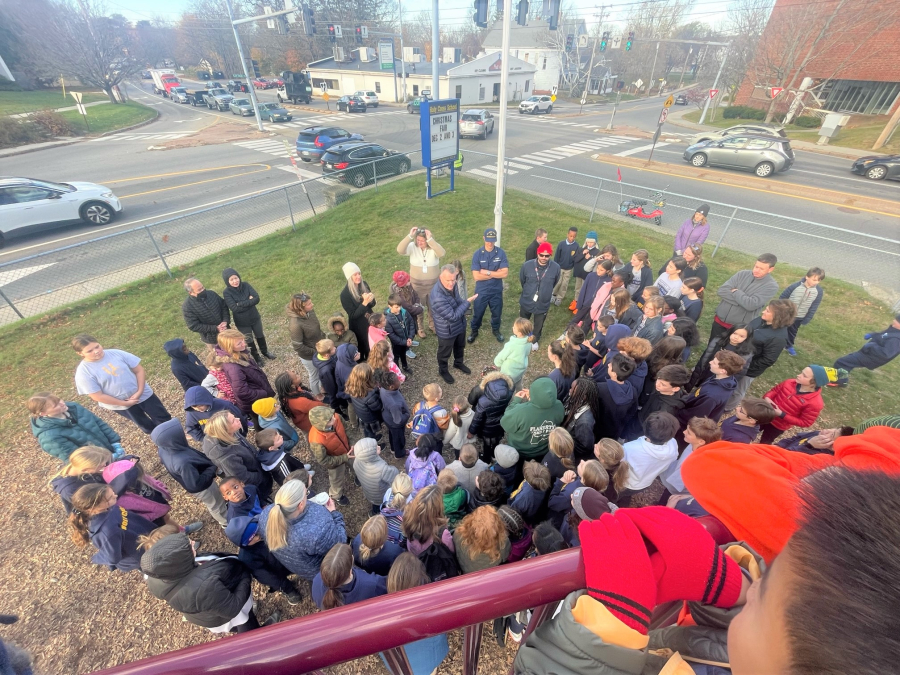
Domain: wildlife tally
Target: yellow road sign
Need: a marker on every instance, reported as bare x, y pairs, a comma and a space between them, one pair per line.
325, 96
669, 102
553, 98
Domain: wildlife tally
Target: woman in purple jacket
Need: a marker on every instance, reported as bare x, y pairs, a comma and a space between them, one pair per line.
694, 230
248, 381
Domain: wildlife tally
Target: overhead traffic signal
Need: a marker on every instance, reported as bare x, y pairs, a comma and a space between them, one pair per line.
604, 41
309, 21
359, 36
481, 13
570, 42
331, 33
255, 65
553, 12
522, 16
629, 41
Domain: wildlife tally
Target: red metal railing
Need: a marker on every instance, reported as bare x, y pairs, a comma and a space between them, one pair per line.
316, 641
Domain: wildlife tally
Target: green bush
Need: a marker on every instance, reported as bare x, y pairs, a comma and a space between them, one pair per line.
743, 112
14, 132
808, 122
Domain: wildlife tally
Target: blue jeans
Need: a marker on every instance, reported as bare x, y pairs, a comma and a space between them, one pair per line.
482, 302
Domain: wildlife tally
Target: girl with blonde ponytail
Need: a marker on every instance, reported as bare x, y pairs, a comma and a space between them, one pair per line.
85, 466
339, 583
611, 455
393, 506
372, 551
296, 530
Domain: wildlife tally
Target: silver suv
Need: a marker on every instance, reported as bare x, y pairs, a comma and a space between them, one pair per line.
476, 122
536, 104
763, 155
370, 97
759, 129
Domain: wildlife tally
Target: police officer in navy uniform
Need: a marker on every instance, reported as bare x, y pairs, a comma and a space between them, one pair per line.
489, 268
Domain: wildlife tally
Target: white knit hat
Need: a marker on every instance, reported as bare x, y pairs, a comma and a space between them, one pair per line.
350, 269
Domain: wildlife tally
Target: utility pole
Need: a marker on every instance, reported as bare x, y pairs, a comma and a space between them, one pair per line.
402, 60
889, 129
652, 68
715, 83
435, 48
504, 97
587, 84
240, 49
686, 58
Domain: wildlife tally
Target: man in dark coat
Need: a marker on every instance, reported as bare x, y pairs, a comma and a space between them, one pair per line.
191, 469
881, 348
538, 278
449, 310
205, 313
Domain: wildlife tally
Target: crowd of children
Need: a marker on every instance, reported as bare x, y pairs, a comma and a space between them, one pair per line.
486, 476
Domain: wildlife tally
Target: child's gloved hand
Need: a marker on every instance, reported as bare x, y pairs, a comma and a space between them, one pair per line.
118, 451
867, 336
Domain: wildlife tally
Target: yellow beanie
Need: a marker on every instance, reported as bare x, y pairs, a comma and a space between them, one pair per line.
264, 407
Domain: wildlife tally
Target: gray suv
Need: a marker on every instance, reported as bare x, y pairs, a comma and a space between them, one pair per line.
476, 122
763, 155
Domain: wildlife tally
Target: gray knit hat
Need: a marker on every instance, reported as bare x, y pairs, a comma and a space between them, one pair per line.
506, 455
589, 504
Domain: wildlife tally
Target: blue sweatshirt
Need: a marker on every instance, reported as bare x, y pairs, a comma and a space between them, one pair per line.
738, 433
114, 534
567, 254
325, 367
250, 507
278, 422
194, 420
395, 411
362, 587
708, 401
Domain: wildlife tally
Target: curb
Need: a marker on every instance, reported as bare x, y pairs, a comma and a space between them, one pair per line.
48, 145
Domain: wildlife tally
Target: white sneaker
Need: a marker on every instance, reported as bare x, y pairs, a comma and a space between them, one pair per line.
311, 473
534, 346
410, 354
557, 301
307, 467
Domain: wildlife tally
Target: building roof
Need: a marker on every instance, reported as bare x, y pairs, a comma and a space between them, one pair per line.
533, 36
421, 69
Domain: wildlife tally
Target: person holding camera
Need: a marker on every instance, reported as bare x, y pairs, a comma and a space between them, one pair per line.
424, 263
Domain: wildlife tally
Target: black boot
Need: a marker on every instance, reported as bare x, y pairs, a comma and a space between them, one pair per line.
254, 353
264, 348
472, 336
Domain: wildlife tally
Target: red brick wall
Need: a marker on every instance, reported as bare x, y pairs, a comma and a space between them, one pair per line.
874, 24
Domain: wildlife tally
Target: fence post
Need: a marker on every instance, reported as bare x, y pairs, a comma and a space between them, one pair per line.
158, 252
9, 302
375, 173
290, 210
724, 232
596, 197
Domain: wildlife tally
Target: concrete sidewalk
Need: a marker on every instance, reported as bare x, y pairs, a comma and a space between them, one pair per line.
70, 107
677, 118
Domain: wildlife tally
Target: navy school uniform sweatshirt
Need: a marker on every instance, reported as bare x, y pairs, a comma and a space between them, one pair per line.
738, 433
395, 412
381, 563
115, 534
362, 587
186, 367
670, 403
250, 507
508, 474
345, 362
531, 503
195, 420
369, 407
190, 468
325, 367
708, 400
616, 399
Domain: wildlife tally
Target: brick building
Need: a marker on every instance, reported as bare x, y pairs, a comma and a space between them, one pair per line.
850, 49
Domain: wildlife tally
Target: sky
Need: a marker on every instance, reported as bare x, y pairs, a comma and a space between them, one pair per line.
452, 12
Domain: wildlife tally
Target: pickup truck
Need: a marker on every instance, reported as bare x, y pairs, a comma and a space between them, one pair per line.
218, 99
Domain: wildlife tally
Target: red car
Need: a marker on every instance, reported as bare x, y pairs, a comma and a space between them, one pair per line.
261, 83
277, 82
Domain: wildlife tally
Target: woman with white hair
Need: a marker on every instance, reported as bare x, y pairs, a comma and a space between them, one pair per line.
299, 533
585, 263
358, 300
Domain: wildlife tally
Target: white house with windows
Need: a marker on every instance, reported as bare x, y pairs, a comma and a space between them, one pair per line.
474, 82
537, 45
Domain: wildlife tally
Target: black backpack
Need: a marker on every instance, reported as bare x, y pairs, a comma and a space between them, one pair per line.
440, 563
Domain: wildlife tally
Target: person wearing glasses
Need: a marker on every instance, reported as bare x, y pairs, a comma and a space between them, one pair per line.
538, 278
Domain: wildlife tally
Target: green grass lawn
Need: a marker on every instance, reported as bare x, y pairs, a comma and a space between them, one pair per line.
861, 137
13, 102
103, 118
35, 354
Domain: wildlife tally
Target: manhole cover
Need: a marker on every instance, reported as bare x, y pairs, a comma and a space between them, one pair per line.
847, 209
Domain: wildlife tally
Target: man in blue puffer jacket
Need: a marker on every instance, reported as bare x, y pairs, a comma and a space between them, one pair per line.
449, 311
190, 468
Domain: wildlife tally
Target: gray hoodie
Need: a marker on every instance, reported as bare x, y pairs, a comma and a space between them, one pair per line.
747, 301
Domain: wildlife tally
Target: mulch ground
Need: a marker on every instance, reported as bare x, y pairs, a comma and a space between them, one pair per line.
76, 617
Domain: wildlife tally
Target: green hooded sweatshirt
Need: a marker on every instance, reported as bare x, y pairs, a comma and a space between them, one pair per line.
455, 505
528, 423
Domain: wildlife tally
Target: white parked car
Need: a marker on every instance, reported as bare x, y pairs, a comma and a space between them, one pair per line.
536, 104
370, 97
29, 205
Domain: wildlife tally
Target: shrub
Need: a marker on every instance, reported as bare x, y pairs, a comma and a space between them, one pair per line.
14, 132
743, 112
52, 123
808, 122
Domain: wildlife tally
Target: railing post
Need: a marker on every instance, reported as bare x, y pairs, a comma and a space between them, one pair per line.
290, 210
9, 302
596, 197
472, 648
724, 232
158, 252
397, 661
375, 173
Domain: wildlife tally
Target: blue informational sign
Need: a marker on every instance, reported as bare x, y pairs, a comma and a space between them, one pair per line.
439, 124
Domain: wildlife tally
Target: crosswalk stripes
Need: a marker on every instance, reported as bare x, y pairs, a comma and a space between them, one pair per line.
634, 151
484, 174
270, 147
303, 172
493, 168
528, 158
329, 119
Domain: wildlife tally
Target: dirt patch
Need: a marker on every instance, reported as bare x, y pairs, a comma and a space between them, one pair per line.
625, 131
216, 134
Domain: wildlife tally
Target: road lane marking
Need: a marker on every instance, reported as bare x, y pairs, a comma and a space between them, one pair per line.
199, 182
634, 151
178, 173
527, 158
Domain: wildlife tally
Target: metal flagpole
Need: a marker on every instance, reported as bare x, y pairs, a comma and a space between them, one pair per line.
504, 97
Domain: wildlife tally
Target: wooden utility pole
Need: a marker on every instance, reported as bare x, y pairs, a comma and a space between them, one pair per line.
888, 130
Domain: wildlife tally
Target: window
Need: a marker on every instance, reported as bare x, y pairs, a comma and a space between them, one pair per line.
758, 144
526, 57
339, 133
31, 193
6, 197
458, 91
527, 83
544, 67
734, 142
378, 87
362, 153
481, 93
415, 90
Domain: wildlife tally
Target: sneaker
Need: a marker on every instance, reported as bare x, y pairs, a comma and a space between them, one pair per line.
193, 527
250, 424
534, 346
308, 467
415, 343
410, 354
515, 636
557, 302
343, 501
448, 378
791, 351
274, 618
294, 597
463, 368
310, 473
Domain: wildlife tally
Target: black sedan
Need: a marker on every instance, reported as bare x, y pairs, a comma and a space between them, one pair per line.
358, 163
681, 99
878, 167
351, 104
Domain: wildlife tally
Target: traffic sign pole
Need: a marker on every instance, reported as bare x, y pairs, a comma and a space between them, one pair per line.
715, 83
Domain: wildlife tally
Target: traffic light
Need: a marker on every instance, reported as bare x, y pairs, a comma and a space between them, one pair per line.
604, 40
629, 41
359, 36
481, 13
570, 42
331, 34
522, 16
255, 65
309, 21
553, 13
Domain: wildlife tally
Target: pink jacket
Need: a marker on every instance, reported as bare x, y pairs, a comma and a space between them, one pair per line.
376, 335
136, 503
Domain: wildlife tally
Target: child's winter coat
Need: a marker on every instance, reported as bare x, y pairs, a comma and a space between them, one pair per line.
395, 412
400, 327
374, 474
513, 358
186, 367
325, 366
278, 422
456, 505
456, 435
195, 420
531, 503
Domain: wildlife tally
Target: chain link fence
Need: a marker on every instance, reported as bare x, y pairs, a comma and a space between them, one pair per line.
43, 282
856, 257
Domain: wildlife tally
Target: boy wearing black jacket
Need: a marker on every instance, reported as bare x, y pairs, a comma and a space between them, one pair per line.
185, 365
617, 396
668, 396
710, 397
401, 329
